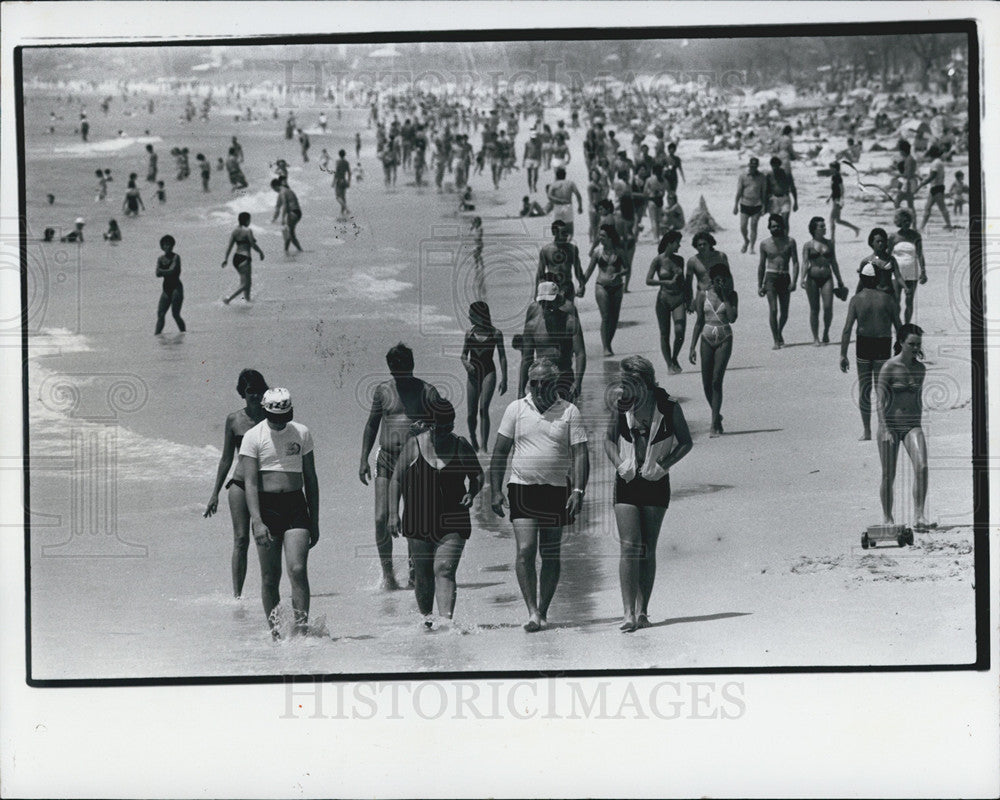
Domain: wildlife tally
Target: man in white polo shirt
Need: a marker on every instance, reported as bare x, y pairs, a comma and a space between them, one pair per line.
549, 474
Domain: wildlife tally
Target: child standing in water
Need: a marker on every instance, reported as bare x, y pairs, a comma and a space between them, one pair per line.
114, 233
168, 267
102, 187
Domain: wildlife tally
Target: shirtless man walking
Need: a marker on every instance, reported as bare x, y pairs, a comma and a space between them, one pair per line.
559, 260
561, 193
342, 181
398, 406
552, 330
773, 280
751, 195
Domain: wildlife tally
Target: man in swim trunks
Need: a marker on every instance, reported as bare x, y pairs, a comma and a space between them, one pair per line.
342, 181
549, 473
243, 239
751, 195
773, 280
278, 464
877, 314
552, 330
532, 159
560, 258
399, 406
561, 193
287, 207
781, 194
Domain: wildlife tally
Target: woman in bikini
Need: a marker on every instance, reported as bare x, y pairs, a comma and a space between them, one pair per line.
251, 387
646, 435
667, 271
607, 258
243, 240
819, 267
907, 248
717, 308
900, 410
477, 358
437, 476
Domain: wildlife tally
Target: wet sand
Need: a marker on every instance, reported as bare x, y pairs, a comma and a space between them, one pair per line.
759, 559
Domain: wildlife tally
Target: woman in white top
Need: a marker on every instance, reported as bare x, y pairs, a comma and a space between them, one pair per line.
907, 247
646, 435
277, 460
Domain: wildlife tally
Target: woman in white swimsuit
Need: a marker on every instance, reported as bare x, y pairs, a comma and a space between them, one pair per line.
907, 247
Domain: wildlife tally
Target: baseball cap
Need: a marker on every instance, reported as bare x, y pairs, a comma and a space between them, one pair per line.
79, 221
277, 401
868, 270
547, 290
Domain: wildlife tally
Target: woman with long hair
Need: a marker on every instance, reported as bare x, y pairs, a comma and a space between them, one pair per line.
477, 358
251, 387
646, 435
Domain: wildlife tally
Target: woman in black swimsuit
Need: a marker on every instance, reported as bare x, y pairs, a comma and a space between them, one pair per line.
819, 262
437, 475
900, 411
477, 358
250, 386
608, 259
133, 200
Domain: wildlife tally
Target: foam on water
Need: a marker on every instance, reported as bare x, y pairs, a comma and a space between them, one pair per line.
105, 145
255, 203
52, 430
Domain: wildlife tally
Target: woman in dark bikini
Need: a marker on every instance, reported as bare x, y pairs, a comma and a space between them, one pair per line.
437, 476
250, 386
607, 258
477, 358
717, 308
819, 266
900, 411
243, 240
667, 272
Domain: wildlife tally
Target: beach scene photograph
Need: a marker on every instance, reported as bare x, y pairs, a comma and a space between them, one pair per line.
444, 355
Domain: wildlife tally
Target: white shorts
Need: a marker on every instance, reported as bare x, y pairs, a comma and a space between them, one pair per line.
563, 213
780, 205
